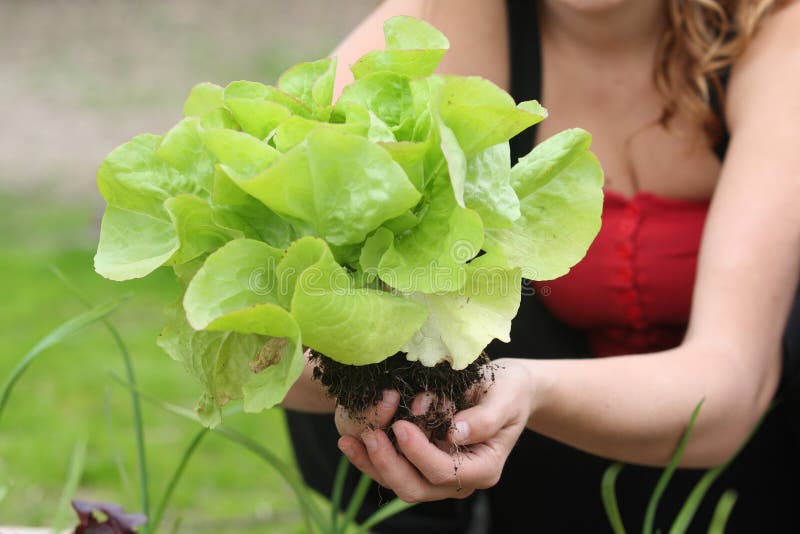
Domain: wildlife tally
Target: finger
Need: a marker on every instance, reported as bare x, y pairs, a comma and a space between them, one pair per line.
436, 465
479, 467
381, 414
479, 423
398, 473
357, 454
422, 403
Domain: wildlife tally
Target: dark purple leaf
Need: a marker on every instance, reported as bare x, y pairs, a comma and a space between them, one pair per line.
116, 521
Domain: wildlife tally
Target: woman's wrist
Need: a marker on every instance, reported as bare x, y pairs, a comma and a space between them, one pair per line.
539, 387
530, 384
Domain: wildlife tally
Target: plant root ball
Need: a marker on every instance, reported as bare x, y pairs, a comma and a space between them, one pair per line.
359, 387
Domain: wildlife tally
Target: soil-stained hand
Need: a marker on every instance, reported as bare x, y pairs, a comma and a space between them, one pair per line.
480, 441
378, 416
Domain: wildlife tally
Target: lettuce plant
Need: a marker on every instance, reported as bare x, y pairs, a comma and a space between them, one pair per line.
389, 220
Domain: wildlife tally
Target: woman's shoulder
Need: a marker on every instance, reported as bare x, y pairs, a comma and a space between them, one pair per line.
769, 68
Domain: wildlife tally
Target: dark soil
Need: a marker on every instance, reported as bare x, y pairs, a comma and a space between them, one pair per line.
360, 387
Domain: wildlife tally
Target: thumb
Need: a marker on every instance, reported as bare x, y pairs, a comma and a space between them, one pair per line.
477, 424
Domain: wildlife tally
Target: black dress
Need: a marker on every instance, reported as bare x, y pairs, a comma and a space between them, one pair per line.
549, 487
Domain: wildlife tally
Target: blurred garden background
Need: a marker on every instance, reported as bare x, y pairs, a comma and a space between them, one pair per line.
77, 78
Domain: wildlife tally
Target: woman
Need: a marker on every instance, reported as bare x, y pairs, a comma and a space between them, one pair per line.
662, 85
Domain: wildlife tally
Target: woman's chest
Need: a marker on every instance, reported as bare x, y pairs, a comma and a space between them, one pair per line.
621, 107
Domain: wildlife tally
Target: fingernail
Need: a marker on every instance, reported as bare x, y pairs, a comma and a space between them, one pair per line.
400, 433
370, 441
462, 431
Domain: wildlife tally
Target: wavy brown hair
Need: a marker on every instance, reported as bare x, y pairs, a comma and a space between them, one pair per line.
701, 40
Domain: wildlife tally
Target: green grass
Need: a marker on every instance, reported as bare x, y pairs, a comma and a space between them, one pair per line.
66, 393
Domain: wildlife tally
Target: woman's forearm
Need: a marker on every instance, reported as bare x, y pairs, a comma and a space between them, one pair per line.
308, 395
635, 408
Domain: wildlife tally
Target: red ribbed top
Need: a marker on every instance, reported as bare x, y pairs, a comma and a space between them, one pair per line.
632, 292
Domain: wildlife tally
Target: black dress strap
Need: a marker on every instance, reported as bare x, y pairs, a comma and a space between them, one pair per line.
525, 55
721, 145
535, 333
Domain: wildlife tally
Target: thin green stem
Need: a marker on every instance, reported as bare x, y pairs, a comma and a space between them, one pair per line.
136, 406
74, 474
722, 512
661, 485
338, 487
356, 500
306, 504
176, 476
393, 507
609, 495
118, 461
55, 336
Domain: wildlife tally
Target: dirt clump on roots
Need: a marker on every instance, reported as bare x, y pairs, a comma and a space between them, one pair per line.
358, 388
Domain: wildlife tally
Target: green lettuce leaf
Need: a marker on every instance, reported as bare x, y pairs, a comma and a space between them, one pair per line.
183, 148
481, 114
414, 49
203, 98
240, 154
236, 209
431, 256
410, 63
133, 244
239, 276
409, 33
231, 366
365, 123
133, 177
423, 92
158, 191
312, 84
219, 361
461, 324
559, 185
350, 324
473, 114
219, 118
197, 228
487, 187
245, 90
385, 94
137, 234
335, 185
410, 156
259, 108
237, 290
294, 130
278, 365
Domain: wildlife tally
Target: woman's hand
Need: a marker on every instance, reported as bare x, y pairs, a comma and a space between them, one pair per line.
482, 436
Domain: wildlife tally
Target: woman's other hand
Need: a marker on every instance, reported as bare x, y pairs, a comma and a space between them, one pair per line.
479, 443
